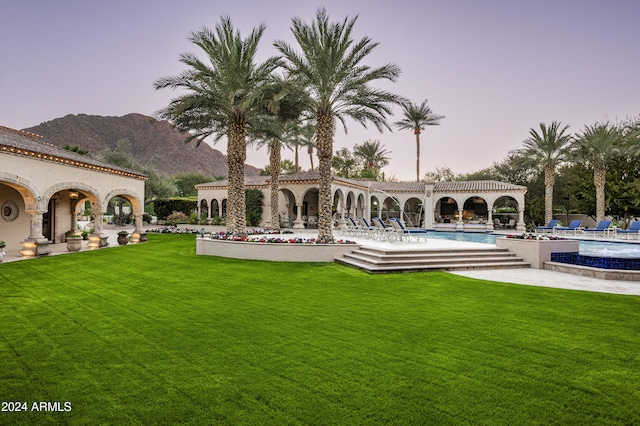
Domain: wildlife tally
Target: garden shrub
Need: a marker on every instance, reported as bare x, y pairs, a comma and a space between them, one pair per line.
253, 201
177, 217
166, 207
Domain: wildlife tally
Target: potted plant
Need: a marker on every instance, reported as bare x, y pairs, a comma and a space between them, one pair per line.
74, 241
122, 238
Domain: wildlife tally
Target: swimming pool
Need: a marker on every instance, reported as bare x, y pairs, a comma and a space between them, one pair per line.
587, 248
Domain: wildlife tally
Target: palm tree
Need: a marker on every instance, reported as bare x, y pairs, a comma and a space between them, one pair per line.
596, 145
330, 68
280, 127
546, 150
416, 118
223, 97
308, 139
373, 154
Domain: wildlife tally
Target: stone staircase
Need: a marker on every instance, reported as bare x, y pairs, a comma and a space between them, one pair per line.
380, 260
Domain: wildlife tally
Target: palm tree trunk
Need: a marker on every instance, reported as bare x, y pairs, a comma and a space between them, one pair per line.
325, 151
297, 169
417, 133
599, 180
274, 167
310, 151
549, 181
236, 156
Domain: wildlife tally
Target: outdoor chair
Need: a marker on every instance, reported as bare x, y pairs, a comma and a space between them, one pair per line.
632, 232
351, 228
386, 233
601, 228
368, 231
549, 228
573, 228
404, 231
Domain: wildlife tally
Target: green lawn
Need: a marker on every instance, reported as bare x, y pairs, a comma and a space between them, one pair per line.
152, 334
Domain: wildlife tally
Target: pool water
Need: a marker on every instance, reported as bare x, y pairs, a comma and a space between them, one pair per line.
587, 248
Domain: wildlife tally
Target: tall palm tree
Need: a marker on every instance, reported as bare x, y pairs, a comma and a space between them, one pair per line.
286, 102
308, 139
546, 150
416, 118
223, 97
596, 145
330, 68
373, 154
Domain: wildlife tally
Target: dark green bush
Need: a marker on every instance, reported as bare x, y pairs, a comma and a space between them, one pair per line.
253, 201
165, 207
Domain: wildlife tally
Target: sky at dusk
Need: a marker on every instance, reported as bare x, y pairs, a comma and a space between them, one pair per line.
494, 68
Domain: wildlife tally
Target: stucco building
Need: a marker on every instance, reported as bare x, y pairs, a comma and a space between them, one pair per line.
473, 206
43, 187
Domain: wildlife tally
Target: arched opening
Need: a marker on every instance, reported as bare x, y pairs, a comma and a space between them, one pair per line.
204, 211
475, 210
505, 212
413, 213
310, 208
224, 208
446, 210
287, 207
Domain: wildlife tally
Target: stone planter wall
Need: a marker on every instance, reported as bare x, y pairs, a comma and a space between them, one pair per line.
297, 252
537, 252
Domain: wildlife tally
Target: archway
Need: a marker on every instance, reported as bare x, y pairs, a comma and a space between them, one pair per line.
446, 210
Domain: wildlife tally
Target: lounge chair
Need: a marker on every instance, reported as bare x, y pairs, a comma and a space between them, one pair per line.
351, 228
368, 230
549, 228
632, 232
573, 228
404, 231
601, 228
386, 232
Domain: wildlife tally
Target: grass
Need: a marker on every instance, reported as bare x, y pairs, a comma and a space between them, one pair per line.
152, 334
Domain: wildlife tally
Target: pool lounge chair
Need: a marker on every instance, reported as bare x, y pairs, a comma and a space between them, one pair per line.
601, 228
351, 228
632, 232
386, 232
368, 230
573, 228
404, 231
549, 228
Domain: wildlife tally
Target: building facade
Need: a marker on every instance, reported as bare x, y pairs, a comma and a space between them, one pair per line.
474, 206
43, 188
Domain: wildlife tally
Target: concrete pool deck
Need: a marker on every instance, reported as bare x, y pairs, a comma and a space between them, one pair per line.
528, 276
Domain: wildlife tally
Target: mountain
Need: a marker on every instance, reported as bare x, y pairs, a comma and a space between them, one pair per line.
151, 142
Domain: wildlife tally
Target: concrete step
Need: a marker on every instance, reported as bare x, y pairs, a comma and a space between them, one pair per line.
376, 260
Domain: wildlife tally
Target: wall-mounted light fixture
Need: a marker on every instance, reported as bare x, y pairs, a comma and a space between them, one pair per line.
73, 195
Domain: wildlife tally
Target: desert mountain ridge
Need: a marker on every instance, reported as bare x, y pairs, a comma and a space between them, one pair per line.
151, 142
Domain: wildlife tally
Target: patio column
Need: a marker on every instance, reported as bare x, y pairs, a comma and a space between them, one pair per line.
136, 235
36, 244
460, 223
490, 217
341, 222
298, 223
98, 239
520, 225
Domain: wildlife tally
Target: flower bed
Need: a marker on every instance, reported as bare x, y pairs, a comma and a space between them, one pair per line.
263, 247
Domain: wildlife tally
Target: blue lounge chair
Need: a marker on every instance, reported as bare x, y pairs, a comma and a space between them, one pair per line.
404, 231
600, 228
549, 228
368, 230
387, 233
632, 232
573, 228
